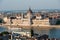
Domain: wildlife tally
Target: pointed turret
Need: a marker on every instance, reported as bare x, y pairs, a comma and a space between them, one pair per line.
29, 11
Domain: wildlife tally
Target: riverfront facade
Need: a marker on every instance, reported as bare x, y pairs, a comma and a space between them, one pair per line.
30, 18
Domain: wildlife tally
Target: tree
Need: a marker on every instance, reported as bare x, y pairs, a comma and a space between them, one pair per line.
32, 32
44, 37
58, 22
5, 32
1, 20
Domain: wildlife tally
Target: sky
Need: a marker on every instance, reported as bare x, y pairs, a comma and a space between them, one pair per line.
25, 4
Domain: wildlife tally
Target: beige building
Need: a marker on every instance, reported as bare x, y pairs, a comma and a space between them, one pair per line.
43, 22
26, 20
7, 21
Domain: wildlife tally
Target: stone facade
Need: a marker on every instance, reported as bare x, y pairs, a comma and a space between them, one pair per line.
27, 20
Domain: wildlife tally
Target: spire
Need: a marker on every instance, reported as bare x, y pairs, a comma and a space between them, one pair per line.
29, 11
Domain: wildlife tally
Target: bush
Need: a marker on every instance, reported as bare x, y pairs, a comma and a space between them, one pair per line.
58, 22
32, 32
1, 20
5, 32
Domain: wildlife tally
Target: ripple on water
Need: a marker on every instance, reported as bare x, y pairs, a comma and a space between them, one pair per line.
3, 29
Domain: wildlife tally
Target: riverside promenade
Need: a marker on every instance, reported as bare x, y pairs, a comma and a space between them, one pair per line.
28, 27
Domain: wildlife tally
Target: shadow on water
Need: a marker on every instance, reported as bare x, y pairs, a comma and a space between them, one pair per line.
54, 33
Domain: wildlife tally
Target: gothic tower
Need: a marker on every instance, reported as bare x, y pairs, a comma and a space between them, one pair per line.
29, 15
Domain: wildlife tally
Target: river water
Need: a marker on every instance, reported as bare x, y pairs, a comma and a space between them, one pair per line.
3, 29
53, 33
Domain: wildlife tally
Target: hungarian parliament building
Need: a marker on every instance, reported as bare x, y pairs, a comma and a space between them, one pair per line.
30, 18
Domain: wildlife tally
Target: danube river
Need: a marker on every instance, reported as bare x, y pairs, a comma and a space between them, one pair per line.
3, 29
53, 32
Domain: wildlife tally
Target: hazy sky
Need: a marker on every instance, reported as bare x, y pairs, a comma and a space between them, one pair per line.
25, 4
